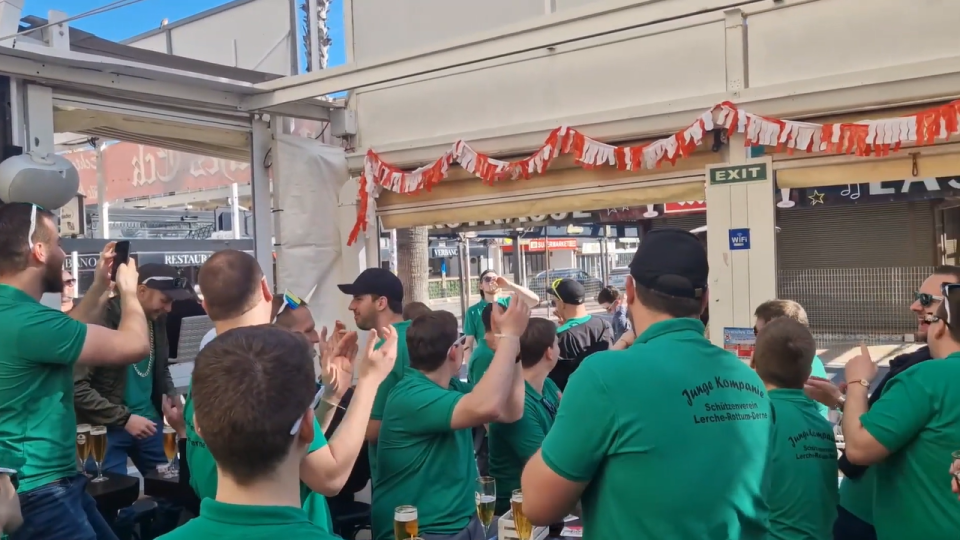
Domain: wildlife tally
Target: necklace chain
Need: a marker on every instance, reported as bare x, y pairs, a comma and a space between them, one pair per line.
144, 375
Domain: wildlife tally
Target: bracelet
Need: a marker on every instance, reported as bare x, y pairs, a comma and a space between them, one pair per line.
506, 336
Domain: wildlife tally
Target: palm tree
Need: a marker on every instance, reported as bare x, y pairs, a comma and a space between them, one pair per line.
412, 264
323, 35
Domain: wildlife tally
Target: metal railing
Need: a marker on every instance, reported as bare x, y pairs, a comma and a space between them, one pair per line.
852, 304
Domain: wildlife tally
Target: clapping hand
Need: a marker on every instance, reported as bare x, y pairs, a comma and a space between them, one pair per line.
336, 360
377, 364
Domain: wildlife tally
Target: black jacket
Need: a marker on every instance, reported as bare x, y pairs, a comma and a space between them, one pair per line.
897, 365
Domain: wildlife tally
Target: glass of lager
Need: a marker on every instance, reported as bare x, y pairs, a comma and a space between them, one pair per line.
486, 500
405, 523
83, 445
520, 521
170, 449
98, 447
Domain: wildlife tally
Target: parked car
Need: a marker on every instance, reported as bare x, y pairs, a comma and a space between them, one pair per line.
539, 283
618, 278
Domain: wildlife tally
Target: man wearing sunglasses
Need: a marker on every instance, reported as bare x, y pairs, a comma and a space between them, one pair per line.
580, 333
908, 435
39, 348
512, 445
492, 288
131, 400
855, 514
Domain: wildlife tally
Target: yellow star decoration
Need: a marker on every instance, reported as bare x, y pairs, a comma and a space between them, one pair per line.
816, 198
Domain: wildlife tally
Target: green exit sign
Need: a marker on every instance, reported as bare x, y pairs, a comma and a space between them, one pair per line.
738, 173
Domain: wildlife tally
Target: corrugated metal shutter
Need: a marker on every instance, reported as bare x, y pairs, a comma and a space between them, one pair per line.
681, 221
900, 234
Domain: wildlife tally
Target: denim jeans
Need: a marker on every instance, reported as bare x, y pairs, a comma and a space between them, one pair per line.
850, 527
146, 454
61, 510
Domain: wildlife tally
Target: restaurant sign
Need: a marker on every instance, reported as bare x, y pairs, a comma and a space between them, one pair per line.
914, 189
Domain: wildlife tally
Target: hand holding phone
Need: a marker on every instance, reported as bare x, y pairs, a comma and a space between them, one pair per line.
121, 256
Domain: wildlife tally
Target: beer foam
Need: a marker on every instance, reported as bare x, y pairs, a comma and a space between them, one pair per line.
486, 499
406, 516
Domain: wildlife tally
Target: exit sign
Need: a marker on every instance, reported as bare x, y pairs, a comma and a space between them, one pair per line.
738, 173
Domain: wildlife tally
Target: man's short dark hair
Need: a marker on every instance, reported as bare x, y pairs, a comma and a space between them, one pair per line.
429, 337
395, 306
230, 284
536, 340
783, 354
608, 295
415, 309
674, 306
250, 385
948, 270
774, 309
14, 228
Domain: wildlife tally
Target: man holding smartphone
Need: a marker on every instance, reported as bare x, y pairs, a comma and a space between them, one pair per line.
130, 400
38, 350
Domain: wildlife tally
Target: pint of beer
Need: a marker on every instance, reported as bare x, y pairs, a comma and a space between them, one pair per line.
520, 521
169, 442
405, 523
83, 443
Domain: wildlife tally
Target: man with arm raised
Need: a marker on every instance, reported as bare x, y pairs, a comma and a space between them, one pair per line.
39, 347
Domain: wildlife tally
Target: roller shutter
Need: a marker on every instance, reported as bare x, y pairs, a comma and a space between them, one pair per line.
686, 222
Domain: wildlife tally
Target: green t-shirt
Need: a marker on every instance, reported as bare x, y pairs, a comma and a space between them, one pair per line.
817, 370
480, 361
473, 318
139, 389
422, 462
802, 470
38, 349
643, 425
511, 445
221, 521
203, 469
917, 419
380, 401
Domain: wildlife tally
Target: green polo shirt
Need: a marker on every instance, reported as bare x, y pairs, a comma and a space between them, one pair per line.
38, 349
139, 389
203, 469
642, 425
473, 318
480, 360
511, 445
219, 520
917, 419
380, 401
802, 470
422, 462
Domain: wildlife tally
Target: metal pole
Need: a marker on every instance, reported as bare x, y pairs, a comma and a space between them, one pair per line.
313, 22
75, 258
235, 202
546, 262
105, 221
466, 271
101, 189
394, 265
463, 284
604, 257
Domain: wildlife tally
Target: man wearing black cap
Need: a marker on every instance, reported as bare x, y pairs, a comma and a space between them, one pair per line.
579, 334
131, 400
377, 303
668, 438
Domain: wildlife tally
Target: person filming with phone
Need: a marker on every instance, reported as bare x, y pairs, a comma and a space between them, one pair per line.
130, 400
909, 435
39, 347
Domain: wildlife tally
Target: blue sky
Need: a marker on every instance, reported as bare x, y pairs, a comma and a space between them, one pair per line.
129, 21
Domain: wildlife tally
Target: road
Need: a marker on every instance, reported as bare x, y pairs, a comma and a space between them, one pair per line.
543, 311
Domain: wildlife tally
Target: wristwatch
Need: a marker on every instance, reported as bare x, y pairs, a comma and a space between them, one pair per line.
841, 401
862, 382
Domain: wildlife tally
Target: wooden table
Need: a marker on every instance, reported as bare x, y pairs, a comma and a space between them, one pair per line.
116, 493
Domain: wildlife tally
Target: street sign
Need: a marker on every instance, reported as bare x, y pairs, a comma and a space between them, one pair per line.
738, 173
739, 239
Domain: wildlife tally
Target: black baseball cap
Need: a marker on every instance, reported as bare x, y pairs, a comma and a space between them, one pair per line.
570, 291
375, 281
672, 262
165, 279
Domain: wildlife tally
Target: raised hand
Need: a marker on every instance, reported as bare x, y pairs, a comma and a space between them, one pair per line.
513, 321
861, 367
377, 364
337, 358
101, 276
127, 277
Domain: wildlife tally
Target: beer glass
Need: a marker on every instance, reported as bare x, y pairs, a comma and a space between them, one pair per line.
98, 447
486, 500
405, 523
520, 521
955, 471
83, 445
170, 449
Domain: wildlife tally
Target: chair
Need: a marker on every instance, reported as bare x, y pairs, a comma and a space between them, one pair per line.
192, 330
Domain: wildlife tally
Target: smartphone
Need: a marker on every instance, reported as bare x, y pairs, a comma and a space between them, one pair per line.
122, 255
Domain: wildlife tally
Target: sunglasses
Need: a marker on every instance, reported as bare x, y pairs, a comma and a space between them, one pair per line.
166, 283
317, 398
290, 301
69, 282
925, 299
33, 224
489, 279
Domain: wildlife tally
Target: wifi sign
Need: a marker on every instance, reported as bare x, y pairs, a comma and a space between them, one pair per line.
739, 239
